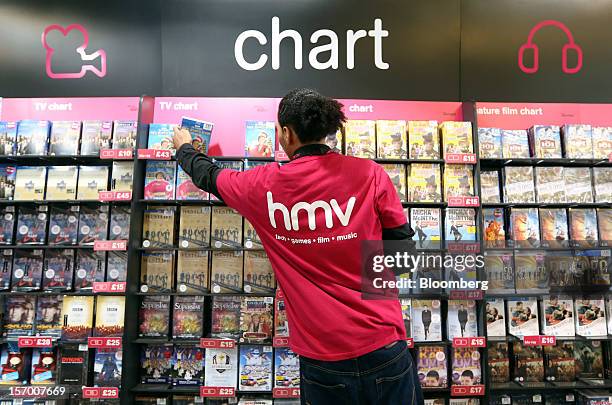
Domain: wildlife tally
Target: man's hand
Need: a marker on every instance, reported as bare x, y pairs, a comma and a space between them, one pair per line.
181, 137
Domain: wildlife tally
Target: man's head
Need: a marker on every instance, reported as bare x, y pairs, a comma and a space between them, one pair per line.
432, 379
467, 377
307, 117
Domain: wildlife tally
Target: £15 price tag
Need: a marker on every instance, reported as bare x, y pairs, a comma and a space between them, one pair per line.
110, 245
286, 393
223, 392
104, 342
280, 341
460, 158
464, 201
208, 343
109, 287
469, 341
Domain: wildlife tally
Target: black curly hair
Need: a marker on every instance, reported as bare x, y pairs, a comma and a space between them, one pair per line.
311, 115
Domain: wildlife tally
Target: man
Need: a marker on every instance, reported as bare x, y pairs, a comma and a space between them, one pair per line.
352, 350
462, 317
426, 320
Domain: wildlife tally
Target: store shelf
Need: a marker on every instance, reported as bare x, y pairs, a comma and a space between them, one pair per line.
169, 389
31, 160
409, 161
202, 294
547, 386
415, 204
570, 292
61, 202
546, 205
499, 163
200, 249
182, 202
192, 342
51, 293
46, 247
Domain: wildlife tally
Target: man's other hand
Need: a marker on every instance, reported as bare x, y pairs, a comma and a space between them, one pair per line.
181, 137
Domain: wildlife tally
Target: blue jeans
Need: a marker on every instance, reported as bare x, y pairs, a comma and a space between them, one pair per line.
386, 376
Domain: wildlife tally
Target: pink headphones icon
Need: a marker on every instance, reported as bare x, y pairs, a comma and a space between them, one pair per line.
529, 45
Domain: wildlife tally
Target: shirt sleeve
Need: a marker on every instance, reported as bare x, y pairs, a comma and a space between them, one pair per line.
236, 188
388, 204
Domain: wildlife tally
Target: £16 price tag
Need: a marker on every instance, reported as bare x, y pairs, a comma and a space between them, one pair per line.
208, 343
224, 392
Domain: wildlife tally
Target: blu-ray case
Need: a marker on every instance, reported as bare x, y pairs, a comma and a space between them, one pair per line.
200, 131
31, 225
423, 140
397, 174
49, 316
93, 224
558, 316
490, 143
61, 183
96, 136
7, 225
550, 185
519, 184
255, 368
32, 138
545, 141
160, 137
64, 138
30, 183
63, 225
391, 139
92, 180
160, 178
8, 138
185, 189
426, 223
496, 317
424, 182
360, 138
90, 268
7, 182
578, 142
553, 228
259, 139
124, 134
58, 270
457, 137
602, 142
515, 144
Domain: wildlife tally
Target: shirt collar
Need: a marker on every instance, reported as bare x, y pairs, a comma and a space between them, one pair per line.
313, 149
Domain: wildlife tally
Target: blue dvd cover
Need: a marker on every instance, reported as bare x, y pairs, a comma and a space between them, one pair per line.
286, 368
8, 137
259, 139
32, 137
160, 179
107, 368
255, 368
426, 224
460, 224
64, 138
201, 132
160, 137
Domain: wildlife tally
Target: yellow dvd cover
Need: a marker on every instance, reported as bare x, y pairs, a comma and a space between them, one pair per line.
458, 181
457, 137
360, 138
424, 182
391, 139
423, 140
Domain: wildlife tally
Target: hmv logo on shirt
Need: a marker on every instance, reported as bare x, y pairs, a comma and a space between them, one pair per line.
290, 216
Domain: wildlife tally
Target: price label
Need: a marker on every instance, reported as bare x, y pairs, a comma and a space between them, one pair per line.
410, 343
539, 340
104, 342
467, 390
286, 393
466, 295
116, 154
280, 156
109, 287
108, 245
463, 247
216, 392
106, 196
478, 341
208, 343
280, 341
464, 201
37, 392
461, 158
154, 154
34, 341
100, 392
610, 157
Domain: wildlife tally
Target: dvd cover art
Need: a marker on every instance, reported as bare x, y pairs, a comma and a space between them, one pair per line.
221, 368
27, 270
77, 313
154, 316
7, 182
226, 228
515, 144
92, 180
49, 316
19, 314
458, 181
558, 316
496, 317
236, 165
281, 325
64, 138
7, 224
604, 222
578, 184
461, 319
490, 143
93, 224
464, 401
602, 142
423, 140
391, 139
602, 179
466, 366
32, 137
31, 225
192, 272
120, 223
286, 368
519, 184
61, 183
457, 137
593, 397
489, 187
531, 272
251, 239
200, 131
90, 268
71, 369
227, 271
122, 176
406, 315
44, 366
110, 315
226, 317
589, 359
432, 366
256, 319
160, 137
590, 317
185, 189
8, 138
525, 227
124, 134
550, 185
258, 273
397, 174
424, 182
107, 367
30, 183
563, 269
498, 362
545, 141
553, 227
460, 224
156, 274
15, 365
528, 363
158, 227
156, 364
426, 320
494, 227
187, 316
160, 178
560, 362
335, 142
187, 366
583, 227
427, 227
116, 267
360, 138
194, 226
63, 223
96, 135
578, 141
593, 267
58, 270
523, 317
259, 139
6, 269
255, 368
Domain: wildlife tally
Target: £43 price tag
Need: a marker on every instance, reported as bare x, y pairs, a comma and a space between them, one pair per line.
34, 341
154, 154
109, 286
208, 343
110, 245
104, 342
286, 393
224, 392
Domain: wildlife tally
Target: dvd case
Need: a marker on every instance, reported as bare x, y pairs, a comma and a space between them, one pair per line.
194, 227
590, 317
226, 317
116, 266
156, 274
558, 316
423, 140
397, 174
523, 317
61, 183
258, 273
96, 136
192, 272
499, 267
360, 138
406, 304
31, 225
63, 223
6, 269
72, 365
124, 134
545, 141
7, 224
251, 239
457, 137
93, 224
604, 222
160, 178
187, 366
494, 227
519, 184
200, 131
286, 368
158, 227
553, 228
8, 138
432, 366
227, 272
515, 144
424, 182
19, 315
7, 182
461, 319
32, 137
185, 189
221, 368
107, 367
426, 320
524, 227
602, 180
426, 223
531, 272
578, 184
528, 363
583, 227
560, 362
489, 187
460, 224
226, 228
92, 180
498, 362
335, 142
160, 137
255, 368
550, 186
602, 142
120, 223
260, 139
496, 314
64, 138
122, 176
187, 317
110, 315
154, 316
589, 359
256, 319
281, 325
90, 268
58, 270
77, 313
577, 140
391, 139
458, 181
15, 365
156, 364
44, 366
490, 143
466, 366
30, 183
27, 269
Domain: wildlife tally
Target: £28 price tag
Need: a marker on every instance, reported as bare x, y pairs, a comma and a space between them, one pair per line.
224, 392
34, 341
286, 393
104, 342
110, 245
208, 343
